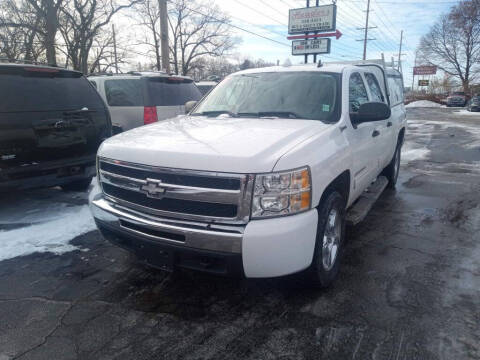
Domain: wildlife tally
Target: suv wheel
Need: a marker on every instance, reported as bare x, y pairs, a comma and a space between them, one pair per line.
393, 169
330, 240
78, 185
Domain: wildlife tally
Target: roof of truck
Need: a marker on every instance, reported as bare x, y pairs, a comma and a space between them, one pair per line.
326, 67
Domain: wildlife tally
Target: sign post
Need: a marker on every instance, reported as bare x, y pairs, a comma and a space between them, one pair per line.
317, 20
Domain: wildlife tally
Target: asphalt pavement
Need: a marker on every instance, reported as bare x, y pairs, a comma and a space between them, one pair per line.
409, 286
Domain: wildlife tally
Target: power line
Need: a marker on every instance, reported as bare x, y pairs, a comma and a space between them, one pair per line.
236, 27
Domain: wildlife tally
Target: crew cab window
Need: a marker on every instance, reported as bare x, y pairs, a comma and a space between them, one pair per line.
357, 92
374, 87
124, 92
395, 85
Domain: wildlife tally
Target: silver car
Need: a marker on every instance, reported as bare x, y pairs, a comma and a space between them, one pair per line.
137, 99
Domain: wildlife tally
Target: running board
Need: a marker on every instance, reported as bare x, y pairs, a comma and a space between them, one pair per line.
362, 206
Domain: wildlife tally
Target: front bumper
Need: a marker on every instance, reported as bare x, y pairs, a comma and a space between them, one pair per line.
261, 248
52, 173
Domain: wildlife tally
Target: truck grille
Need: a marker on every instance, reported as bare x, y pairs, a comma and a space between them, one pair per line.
195, 195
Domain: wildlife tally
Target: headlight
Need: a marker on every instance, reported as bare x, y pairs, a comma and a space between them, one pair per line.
282, 193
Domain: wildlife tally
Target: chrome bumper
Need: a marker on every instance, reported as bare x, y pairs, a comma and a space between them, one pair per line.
196, 235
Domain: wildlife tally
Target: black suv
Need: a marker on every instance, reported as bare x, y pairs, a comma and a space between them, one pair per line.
52, 122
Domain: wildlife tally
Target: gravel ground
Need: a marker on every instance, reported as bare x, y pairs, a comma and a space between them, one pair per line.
409, 286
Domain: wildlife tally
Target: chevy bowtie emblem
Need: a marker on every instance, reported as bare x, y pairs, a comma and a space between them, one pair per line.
153, 188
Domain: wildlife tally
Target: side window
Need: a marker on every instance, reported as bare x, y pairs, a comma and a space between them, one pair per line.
374, 87
124, 92
94, 83
395, 85
357, 92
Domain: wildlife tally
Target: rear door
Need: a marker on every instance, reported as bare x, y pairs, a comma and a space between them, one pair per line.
125, 99
169, 95
48, 114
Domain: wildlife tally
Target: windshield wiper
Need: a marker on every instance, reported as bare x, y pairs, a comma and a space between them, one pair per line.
281, 114
215, 113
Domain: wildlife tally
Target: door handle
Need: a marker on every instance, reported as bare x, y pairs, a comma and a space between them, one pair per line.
389, 124
375, 133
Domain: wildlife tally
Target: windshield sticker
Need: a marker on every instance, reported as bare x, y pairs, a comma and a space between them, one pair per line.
325, 107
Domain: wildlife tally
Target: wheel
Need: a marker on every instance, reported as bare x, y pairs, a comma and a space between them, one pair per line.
78, 185
393, 168
329, 241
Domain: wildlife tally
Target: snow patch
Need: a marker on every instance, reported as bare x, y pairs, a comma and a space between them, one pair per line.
49, 236
43, 220
465, 112
424, 104
411, 154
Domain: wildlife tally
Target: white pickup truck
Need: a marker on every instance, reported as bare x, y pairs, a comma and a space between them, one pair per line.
261, 176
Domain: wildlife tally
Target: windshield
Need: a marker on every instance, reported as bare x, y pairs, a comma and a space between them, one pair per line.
303, 95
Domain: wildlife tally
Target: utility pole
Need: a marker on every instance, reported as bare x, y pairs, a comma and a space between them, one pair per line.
365, 39
115, 49
162, 5
366, 28
400, 53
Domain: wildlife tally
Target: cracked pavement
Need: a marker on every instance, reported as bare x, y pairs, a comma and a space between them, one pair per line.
409, 286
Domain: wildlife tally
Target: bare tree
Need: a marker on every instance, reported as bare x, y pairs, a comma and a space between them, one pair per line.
147, 15
453, 43
197, 30
81, 23
18, 41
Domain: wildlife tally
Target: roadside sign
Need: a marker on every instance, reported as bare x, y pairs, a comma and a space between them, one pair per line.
424, 70
423, 82
311, 46
311, 19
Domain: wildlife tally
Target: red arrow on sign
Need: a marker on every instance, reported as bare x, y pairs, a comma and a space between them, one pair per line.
337, 35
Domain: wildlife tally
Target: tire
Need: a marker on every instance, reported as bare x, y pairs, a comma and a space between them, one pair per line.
393, 168
328, 249
78, 185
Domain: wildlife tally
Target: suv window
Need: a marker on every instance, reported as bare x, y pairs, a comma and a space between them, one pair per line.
124, 92
374, 87
163, 91
39, 89
357, 92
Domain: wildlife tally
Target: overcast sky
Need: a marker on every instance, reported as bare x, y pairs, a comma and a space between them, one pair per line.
270, 18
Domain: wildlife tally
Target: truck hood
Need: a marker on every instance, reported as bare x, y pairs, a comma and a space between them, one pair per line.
223, 144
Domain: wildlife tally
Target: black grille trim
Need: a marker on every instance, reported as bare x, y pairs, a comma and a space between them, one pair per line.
210, 182
172, 205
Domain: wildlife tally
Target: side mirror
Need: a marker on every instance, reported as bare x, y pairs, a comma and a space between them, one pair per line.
371, 111
189, 105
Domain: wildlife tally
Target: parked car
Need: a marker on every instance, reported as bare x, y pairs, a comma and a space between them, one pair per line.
474, 104
205, 86
52, 122
257, 179
457, 98
138, 99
